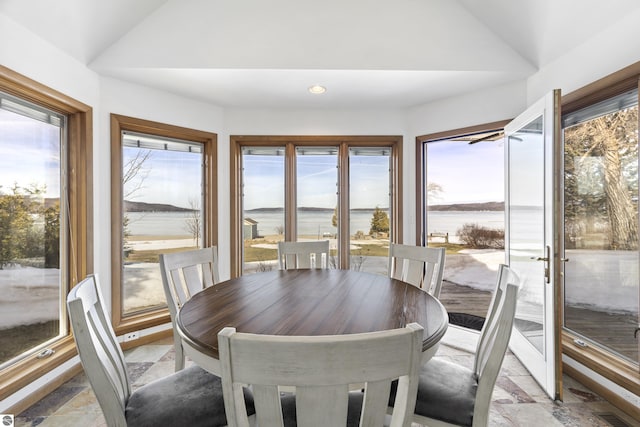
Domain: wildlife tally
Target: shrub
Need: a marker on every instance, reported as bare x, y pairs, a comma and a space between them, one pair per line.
478, 237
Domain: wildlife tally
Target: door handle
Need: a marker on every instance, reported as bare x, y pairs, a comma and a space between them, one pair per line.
546, 259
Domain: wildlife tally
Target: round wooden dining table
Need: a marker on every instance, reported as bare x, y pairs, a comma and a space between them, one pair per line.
306, 302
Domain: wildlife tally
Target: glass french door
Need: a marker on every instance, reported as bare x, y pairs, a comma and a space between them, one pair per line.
531, 237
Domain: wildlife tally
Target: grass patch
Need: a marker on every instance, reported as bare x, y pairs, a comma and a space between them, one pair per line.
21, 338
370, 250
450, 248
152, 254
252, 253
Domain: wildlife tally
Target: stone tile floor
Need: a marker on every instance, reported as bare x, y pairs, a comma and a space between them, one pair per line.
517, 399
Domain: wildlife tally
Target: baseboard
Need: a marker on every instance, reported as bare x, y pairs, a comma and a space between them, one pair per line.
147, 339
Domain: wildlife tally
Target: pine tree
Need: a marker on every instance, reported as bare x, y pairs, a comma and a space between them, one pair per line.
379, 222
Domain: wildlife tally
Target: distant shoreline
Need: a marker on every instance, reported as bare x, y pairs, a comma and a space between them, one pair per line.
460, 207
130, 206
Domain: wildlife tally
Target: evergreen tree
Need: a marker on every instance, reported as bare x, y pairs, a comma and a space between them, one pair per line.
379, 222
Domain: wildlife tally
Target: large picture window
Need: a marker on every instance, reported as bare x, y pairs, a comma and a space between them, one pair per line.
600, 314
165, 203
601, 291
45, 223
32, 147
342, 189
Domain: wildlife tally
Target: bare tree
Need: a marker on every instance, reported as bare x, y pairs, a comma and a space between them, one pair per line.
194, 222
433, 191
610, 142
134, 173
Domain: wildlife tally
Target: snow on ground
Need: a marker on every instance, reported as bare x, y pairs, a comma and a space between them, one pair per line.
37, 297
476, 268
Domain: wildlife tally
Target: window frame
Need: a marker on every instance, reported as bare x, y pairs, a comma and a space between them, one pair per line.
237, 142
154, 317
79, 172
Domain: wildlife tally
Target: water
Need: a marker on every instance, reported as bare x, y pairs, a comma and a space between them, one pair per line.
159, 223
309, 223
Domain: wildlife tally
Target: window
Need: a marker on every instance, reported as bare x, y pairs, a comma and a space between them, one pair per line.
165, 203
315, 188
45, 189
369, 208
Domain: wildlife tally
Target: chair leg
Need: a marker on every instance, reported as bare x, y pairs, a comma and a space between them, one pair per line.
179, 355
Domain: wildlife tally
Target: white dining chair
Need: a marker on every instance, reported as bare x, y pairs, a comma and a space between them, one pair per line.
420, 266
453, 395
295, 255
191, 397
322, 370
184, 274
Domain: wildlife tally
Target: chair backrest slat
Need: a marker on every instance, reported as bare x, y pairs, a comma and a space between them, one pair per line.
321, 368
296, 255
420, 266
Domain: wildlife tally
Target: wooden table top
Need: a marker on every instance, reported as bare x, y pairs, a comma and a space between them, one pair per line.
309, 302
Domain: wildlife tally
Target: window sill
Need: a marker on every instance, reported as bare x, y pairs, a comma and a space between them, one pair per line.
138, 322
616, 370
24, 372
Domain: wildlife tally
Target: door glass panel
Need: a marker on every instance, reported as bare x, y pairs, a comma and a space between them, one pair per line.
601, 224
464, 194
317, 196
527, 228
32, 266
162, 181
263, 207
369, 212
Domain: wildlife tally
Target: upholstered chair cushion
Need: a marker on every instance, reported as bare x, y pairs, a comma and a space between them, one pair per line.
446, 392
191, 397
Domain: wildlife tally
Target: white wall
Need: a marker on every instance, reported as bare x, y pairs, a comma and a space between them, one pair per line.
36, 58
606, 52
474, 108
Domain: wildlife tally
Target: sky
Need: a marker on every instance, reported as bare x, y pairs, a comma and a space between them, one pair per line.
22, 144
167, 177
317, 177
466, 173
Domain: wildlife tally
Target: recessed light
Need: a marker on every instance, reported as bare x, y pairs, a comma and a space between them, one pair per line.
317, 89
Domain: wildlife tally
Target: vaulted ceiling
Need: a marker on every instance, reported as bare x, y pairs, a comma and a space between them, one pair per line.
367, 53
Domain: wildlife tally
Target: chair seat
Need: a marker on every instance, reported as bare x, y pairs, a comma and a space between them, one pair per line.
446, 392
353, 410
191, 397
